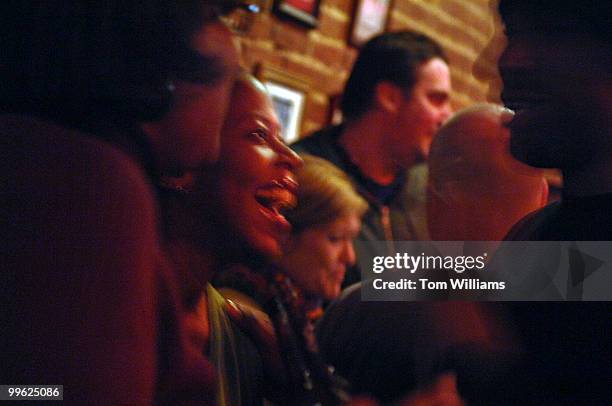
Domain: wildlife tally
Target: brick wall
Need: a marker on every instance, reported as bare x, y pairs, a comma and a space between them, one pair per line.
321, 58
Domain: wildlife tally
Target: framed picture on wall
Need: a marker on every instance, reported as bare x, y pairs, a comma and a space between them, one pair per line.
288, 95
303, 11
288, 104
369, 19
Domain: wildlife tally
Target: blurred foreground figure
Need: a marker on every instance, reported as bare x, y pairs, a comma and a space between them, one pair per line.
390, 349
88, 299
557, 76
476, 189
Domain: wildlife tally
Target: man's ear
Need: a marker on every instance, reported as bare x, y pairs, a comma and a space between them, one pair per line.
388, 96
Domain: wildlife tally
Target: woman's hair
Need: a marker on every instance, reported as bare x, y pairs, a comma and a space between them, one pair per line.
325, 194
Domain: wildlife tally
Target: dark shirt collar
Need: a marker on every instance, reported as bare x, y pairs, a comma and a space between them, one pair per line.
382, 194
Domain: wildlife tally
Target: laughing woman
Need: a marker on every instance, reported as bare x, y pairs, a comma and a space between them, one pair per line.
231, 215
243, 196
248, 191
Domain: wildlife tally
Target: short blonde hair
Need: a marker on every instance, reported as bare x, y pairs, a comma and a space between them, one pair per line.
325, 194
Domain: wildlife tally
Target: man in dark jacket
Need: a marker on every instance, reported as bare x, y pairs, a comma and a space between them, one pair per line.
397, 96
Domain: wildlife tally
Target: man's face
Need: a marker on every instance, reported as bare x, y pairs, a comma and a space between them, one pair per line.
551, 79
421, 113
187, 137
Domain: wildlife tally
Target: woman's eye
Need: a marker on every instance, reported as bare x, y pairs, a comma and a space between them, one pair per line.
260, 135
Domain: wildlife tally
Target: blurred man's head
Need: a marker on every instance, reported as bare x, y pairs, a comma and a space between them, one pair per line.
557, 74
405, 76
70, 61
477, 190
187, 135
107, 66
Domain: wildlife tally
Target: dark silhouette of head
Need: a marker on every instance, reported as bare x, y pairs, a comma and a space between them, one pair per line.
557, 74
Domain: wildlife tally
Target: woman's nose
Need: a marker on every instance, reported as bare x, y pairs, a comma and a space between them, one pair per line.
348, 253
289, 158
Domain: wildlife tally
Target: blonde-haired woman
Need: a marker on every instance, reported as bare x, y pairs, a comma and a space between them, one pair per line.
325, 221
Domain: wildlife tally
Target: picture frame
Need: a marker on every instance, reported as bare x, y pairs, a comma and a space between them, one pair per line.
305, 12
288, 94
369, 19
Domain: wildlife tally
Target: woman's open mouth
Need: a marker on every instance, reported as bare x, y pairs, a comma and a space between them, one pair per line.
277, 197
